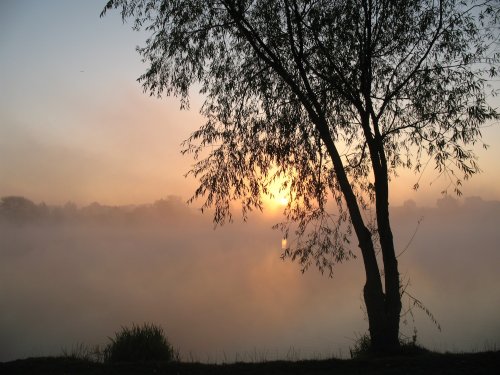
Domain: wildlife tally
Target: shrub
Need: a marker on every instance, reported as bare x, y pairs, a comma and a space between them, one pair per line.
408, 347
139, 344
361, 347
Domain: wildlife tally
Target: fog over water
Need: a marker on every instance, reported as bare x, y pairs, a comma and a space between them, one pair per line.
76, 275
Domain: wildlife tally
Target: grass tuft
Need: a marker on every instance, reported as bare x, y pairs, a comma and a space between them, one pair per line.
144, 343
362, 347
83, 352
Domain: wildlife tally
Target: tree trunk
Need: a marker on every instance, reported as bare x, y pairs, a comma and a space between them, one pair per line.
390, 341
383, 309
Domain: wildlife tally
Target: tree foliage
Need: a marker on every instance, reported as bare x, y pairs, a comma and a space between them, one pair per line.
333, 95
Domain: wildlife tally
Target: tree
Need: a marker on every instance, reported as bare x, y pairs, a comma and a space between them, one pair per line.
335, 95
19, 208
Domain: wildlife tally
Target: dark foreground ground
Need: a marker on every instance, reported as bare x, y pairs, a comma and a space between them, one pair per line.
473, 363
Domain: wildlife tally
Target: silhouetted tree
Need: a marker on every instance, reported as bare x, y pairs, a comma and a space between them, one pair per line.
19, 208
336, 95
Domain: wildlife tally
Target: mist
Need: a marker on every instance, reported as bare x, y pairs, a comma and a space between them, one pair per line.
72, 275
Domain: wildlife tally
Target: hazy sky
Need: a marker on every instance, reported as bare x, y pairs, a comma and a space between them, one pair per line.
75, 125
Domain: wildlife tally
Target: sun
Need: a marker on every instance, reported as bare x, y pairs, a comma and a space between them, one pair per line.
283, 201
278, 196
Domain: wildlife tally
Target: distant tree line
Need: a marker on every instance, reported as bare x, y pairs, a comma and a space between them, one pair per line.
19, 209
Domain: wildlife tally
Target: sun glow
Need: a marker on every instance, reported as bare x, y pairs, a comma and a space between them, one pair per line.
278, 195
283, 201
284, 244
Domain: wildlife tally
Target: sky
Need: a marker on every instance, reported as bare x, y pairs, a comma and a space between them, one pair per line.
76, 126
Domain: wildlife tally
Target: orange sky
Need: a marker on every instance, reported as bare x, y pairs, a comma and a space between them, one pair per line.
75, 125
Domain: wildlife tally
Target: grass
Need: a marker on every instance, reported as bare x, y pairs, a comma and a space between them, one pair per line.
83, 352
428, 363
139, 344
145, 350
408, 348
